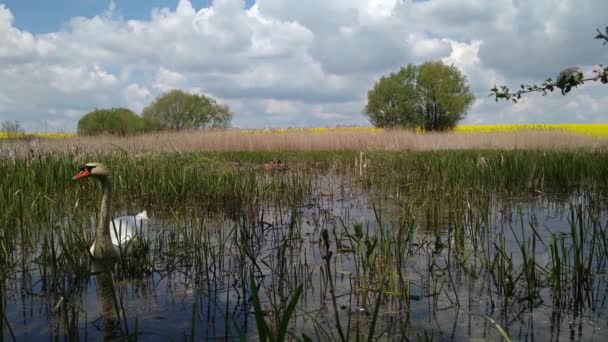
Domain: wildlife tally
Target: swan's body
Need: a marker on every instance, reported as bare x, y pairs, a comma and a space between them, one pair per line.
123, 229
110, 236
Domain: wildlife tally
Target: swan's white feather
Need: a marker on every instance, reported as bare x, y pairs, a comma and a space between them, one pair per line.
124, 228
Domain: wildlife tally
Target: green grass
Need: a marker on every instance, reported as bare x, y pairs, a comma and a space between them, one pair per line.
223, 222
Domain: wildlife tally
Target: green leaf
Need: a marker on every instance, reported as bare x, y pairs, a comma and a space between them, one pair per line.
263, 330
502, 332
305, 338
370, 336
291, 308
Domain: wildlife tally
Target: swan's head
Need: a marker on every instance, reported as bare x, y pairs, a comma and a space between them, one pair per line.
92, 170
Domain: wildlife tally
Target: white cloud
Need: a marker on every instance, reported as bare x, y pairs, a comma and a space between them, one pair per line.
70, 80
280, 107
136, 96
290, 63
429, 48
167, 79
4, 101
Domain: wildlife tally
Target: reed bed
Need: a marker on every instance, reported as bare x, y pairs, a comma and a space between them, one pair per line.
360, 140
424, 245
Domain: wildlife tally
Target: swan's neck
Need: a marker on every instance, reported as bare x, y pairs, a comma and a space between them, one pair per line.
103, 241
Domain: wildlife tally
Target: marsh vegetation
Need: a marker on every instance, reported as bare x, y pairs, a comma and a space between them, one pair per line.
434, 245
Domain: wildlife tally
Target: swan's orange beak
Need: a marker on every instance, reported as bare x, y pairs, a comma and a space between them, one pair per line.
82, 174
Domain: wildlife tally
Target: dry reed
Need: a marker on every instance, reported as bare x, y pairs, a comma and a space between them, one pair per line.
234, 140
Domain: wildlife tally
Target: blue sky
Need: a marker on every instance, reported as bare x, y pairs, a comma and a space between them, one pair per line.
288, 63
47, 16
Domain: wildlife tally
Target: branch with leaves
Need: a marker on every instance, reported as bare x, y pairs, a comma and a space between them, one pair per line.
602, 36
567, 79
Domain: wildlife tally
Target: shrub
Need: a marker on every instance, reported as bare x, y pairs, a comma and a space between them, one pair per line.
120, 121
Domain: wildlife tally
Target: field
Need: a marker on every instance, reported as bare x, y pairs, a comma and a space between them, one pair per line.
595, 129
598, 130
324, 235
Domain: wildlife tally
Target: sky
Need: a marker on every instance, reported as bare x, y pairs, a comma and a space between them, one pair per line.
289, 63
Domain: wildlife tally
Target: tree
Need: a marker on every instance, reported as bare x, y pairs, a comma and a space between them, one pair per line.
120, 121
433, 96
567, 79
177, 110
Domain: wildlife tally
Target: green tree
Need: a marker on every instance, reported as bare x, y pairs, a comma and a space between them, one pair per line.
567, 79
119, 121
433, 96
177, 110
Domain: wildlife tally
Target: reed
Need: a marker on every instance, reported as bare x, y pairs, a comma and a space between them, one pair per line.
322, 246
299, 141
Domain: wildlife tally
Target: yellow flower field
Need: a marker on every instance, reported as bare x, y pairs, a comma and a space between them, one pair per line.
593, 129
51, 135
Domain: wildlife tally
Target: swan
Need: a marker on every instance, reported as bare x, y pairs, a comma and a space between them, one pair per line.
110, 236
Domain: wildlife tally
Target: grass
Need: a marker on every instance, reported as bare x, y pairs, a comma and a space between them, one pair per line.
214, 180
405, 238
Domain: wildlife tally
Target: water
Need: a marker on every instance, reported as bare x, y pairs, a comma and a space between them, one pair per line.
436, 260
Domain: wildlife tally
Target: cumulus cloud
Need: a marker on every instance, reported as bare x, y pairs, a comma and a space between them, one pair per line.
294, 63
167, 79
136, 96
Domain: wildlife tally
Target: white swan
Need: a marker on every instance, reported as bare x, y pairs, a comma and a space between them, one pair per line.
123, 229
110, 236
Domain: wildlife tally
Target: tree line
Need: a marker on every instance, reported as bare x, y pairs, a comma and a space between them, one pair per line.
174, 110
432, 96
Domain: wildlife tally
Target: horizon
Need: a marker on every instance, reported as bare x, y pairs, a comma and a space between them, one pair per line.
280, 64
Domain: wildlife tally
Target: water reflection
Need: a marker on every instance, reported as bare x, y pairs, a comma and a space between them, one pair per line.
445, 284
109, 322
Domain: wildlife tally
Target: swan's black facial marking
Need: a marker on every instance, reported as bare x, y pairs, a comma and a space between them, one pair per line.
85, 166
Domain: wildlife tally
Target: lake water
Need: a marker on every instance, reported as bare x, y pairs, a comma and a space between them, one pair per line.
449, 269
